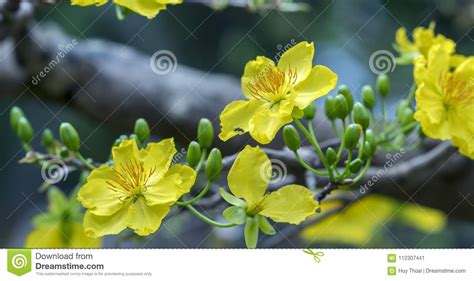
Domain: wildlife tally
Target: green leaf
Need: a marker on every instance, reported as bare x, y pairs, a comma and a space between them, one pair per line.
231, 199
251, 232
265, 226
235, 215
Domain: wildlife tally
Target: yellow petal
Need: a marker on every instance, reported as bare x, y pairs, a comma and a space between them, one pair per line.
253, 70
145, 8
461, 122
145, 219
248, 177
438, 63
431, 112
465, 70
290, 204
54, 237
88, 2
298, 58
158, 157
97, 226
177, 181
466, 146
319, 82
403, 42
124, 154
265, 124
96, 195
236, 117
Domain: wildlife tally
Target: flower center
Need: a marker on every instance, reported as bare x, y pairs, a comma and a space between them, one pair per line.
273, 84
131, 179
458, 91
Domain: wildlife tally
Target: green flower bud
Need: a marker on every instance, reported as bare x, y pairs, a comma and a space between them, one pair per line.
372, 140
355, 166
205, 133
383, 84
64, 152
344, 90
142, 130
69, 137
331, 156
194, 154
329, 108
399, 140
47, 138
406, 116
24, 130
402, 105
214, 164
291, 137
15, 114
368, 97
309, 112
368, 150
361, 115
352, 136
341, 106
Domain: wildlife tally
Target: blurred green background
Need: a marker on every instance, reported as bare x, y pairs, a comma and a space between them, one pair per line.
346, 33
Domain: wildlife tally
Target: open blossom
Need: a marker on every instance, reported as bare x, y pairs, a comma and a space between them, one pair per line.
445, 99
423, 40
248, 179
276, 93
137, 192
147, 8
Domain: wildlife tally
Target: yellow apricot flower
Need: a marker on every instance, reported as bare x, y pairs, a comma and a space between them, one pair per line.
147, 8
248, 179
55, 237
423, 40
137, 192
445, 99
276, 93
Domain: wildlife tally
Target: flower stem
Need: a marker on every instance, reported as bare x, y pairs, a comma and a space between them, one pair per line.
308, 167
206, 219
314, 143
199, 196
84, 160
201, 161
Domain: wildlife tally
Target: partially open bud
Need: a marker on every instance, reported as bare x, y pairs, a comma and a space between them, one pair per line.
355, 166
341, 106
383, 84
344, 90
205, 133
194, 154
47, 138
15, 114
69, 137
329, 108
214, 164
361, 115
352, 136
309, 112
24, 130
331, 156
291, 137
372, 140
142, 130
368, 97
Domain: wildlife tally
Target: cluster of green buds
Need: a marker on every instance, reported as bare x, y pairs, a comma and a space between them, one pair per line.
65, 148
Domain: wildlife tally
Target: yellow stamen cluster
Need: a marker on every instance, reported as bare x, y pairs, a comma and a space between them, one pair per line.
271, 82
133, 178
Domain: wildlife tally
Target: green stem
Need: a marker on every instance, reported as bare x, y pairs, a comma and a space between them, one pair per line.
361, 150
403, 129
201, 161
307, 167
411, 94
206, 219
314, 143
84, 160
335, 129
384, 120
199, 196
362, 173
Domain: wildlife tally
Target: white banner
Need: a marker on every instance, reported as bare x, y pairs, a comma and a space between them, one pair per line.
237, 264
